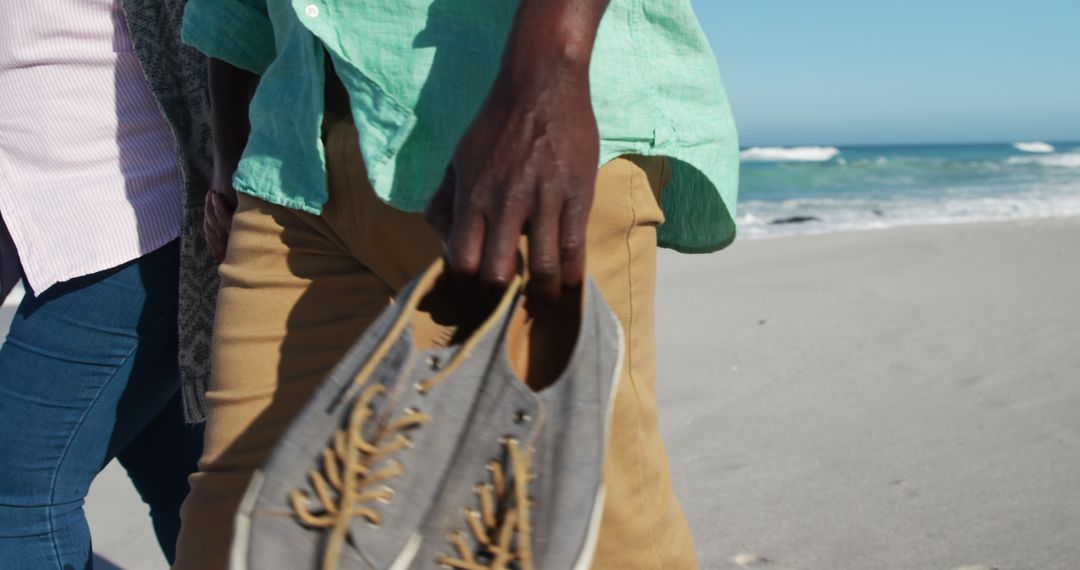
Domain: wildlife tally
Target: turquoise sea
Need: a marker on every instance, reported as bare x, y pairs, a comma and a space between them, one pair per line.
827, 189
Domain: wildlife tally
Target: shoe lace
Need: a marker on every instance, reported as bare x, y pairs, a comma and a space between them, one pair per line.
503, 516
350, 477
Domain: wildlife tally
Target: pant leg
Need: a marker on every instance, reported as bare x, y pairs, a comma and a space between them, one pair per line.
273, 340
85, 367
643, 525
159, 461
297, 291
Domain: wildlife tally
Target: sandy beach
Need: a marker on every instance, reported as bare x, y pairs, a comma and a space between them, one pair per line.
903, 399
900, 399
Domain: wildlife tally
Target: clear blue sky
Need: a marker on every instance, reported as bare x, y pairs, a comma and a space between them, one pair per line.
874, 71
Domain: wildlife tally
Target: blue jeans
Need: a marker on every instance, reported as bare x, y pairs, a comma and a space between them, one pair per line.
88, 373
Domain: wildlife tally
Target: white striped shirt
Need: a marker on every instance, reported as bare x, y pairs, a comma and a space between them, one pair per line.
89, 175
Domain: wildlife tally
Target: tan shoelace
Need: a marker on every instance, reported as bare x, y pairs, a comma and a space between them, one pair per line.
503, 515
348, 464
344, 485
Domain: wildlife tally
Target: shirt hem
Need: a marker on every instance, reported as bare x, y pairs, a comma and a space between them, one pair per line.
277, 199
36, 285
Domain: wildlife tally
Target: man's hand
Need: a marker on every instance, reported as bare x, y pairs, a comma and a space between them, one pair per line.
527, 164
231, 90
217, 217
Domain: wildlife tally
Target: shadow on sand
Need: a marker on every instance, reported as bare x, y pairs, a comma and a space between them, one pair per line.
104, 564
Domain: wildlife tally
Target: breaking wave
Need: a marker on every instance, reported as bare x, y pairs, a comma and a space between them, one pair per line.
789, 154
793, 191
1068, 160
1040, 147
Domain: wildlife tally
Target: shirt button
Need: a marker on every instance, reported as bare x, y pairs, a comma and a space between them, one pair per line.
312, 11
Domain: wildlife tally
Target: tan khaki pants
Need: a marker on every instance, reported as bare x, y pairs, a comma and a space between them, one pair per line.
297, 290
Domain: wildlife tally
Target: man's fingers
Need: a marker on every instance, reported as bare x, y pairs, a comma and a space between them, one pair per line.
465, 242
500, 248
545, 268
213, 240
217, 222
572, 243
209, 232
223, 213
221, 223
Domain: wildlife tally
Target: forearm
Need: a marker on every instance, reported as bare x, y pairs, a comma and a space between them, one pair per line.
552, 38
231, 89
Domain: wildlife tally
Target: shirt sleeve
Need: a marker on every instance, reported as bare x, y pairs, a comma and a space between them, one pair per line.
236, 31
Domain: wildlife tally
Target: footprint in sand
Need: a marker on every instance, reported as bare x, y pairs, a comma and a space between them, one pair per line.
904, 488
970, 381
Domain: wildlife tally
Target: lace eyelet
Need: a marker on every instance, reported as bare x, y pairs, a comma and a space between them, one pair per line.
521, 416
389, 499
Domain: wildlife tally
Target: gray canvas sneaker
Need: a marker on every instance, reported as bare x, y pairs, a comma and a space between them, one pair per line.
526, 488
350, 483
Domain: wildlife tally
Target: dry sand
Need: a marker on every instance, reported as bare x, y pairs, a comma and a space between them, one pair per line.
903, 399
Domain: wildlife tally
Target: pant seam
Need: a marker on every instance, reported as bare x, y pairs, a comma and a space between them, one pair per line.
75, 431
630, 357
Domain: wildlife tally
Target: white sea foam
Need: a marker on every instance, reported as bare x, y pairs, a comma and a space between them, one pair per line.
1068, 160
1034, 146
789, 154
843, 215
887, 187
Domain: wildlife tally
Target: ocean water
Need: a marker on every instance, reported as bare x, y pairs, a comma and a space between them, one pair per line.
868, 187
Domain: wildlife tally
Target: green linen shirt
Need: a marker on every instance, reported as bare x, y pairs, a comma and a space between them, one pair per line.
417, 72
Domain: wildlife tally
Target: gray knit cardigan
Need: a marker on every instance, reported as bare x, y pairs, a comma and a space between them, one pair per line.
177, 76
